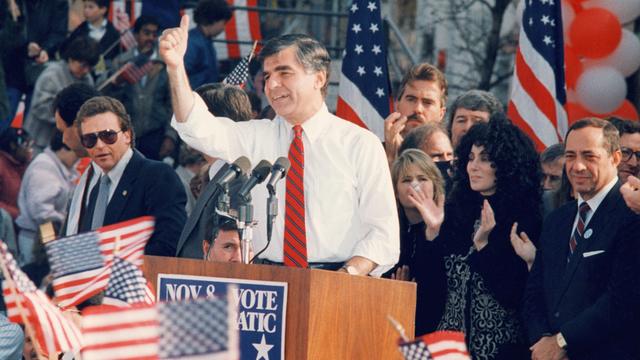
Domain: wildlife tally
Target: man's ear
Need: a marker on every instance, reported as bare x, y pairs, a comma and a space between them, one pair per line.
321, 79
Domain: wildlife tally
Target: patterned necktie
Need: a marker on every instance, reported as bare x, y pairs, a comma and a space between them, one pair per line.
101, 202
295, 234
582, 219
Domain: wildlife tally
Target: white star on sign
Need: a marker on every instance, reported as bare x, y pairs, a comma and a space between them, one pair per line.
354, 8
373, 27
361, 70
547, 40
356, 28
263, 349
377, 70
380, 92
372, 6
376, 49
545, 19
358, 49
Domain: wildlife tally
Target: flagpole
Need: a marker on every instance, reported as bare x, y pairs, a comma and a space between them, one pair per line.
399, 328
110, 79
25, 319
253, 49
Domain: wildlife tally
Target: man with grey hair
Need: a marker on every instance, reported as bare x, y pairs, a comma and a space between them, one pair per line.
469, 108
340, 209
552, 162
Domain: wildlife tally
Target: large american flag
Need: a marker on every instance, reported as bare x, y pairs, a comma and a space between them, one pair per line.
202, 328
54, 332
440, 345
538, 92
364, 91
81, 264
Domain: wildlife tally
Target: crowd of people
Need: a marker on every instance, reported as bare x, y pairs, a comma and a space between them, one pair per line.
530, 255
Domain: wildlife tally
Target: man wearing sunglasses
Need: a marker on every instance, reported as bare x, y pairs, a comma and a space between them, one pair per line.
127, 185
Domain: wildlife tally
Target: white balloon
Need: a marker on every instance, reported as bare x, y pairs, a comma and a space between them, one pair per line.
625, 10
568, 14
601, 89
625, 58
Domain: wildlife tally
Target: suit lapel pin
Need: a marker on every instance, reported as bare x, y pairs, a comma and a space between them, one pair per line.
588, 233
124, 193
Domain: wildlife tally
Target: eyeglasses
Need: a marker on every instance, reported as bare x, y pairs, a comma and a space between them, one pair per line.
108, 137
627, 153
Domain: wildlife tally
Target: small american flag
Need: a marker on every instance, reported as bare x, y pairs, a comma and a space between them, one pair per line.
440, 345
53, 332
538, 92
240, 73
201, 328
134, 70
81, 264
127, 285
122, 23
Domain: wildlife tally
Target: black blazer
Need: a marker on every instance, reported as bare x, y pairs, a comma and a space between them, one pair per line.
204, 211
593, 299
149, 187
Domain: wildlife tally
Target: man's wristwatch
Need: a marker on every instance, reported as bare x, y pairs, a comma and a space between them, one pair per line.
561, 341
349, 269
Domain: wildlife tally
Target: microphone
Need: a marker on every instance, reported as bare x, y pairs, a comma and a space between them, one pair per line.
278, 171
241, 165
258, 175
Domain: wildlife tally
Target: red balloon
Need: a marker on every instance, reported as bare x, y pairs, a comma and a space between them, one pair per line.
576, 112
627, 111
572, 67
595, 32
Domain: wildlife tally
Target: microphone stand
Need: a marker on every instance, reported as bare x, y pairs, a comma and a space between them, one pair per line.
245, 226
272, 213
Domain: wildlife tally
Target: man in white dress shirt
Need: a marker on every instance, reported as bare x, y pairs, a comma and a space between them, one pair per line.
337, 205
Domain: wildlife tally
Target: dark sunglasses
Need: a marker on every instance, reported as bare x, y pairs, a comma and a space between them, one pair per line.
108, 137
627, 153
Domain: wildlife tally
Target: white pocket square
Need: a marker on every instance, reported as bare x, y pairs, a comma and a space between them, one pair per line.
592, 253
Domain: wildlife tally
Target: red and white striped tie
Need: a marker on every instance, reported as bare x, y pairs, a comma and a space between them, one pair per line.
295, 234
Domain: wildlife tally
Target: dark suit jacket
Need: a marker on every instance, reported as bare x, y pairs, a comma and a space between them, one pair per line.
204, 212
149, 187
594, 298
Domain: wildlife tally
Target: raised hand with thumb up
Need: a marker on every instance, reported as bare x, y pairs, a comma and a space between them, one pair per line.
173, 44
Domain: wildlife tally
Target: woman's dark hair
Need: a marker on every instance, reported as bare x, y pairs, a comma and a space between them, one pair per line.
513, 155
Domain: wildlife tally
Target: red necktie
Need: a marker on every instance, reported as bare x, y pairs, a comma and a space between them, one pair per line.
295, 234
582, 219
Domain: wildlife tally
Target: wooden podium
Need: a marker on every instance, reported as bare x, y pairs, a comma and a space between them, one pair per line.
330, 315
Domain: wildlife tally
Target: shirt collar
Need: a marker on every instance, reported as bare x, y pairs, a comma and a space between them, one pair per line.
102, 25
595, 201
313, 126
116, 172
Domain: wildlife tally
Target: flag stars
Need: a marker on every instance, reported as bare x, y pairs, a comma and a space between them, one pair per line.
547, 40
380, 92
361, 70
374, 28
376, 49
377, 70
545, 19
354, 8
530, 21
372, 6
358, 49
356, 28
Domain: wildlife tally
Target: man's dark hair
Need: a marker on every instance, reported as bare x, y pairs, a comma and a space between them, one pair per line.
100, 3
68, 101
425, 72
56, 141
475, 100
208, 12
625, 126
143, 20
83, 49
222, 223
104, 104
416, 138
311, 54
552, 153
611, 136
226, 100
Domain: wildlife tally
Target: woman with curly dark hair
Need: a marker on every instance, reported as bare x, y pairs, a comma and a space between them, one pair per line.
496, 189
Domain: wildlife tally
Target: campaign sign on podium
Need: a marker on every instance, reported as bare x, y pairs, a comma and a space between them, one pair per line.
262, 307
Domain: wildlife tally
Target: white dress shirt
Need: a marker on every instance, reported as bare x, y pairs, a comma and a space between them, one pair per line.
350, 206
594, 203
